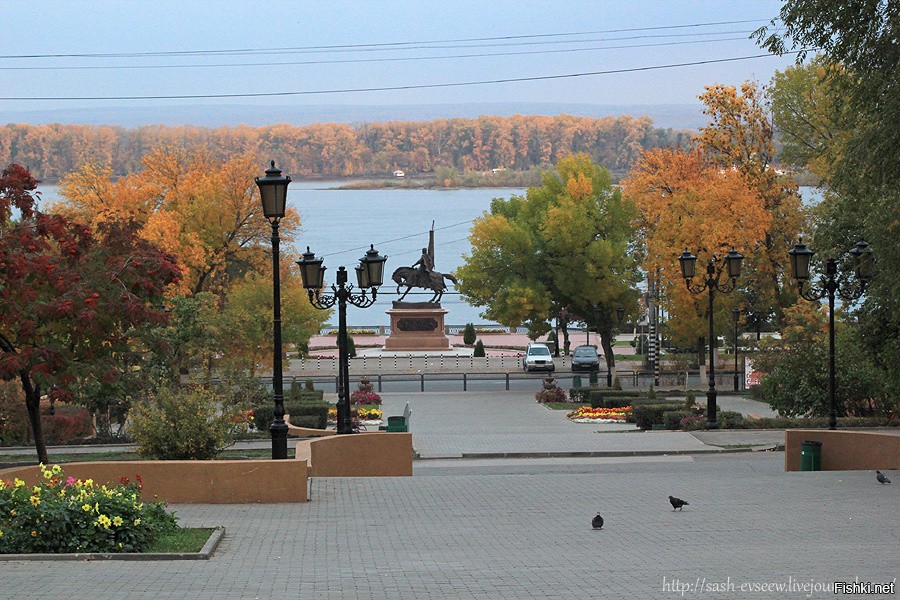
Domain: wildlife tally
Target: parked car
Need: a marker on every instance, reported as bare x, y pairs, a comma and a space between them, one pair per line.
538, 358
585, 359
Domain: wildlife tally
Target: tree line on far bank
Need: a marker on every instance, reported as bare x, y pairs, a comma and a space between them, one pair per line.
518, 142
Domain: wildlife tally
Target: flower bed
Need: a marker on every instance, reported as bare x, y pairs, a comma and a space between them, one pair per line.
586, 414
65, 515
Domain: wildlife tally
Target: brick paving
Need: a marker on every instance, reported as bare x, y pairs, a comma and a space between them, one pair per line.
519, 527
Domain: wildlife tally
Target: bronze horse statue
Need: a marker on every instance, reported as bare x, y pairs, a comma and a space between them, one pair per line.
411, 277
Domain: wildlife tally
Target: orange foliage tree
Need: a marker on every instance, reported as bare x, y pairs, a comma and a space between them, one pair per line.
723, 192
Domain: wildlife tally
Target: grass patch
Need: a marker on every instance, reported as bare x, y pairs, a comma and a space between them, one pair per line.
183, 539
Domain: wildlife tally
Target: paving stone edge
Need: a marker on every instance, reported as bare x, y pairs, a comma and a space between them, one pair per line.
205, 553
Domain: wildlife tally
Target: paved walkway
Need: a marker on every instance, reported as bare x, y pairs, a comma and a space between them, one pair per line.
513, 528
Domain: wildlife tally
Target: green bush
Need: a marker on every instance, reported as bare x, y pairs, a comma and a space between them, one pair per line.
469, 334
479, 350
579, 394
308, 386
351, 347
263, 416
642, 401
647, 415
64, 515
298, 394
672, 418
317, 414
728, 419
182, 424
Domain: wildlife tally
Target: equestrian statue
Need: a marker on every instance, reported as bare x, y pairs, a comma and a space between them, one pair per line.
422, 274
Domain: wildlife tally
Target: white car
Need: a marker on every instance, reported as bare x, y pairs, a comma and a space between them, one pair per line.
538, 358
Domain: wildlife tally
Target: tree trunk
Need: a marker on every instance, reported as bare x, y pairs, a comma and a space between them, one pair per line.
606, 342
33, 405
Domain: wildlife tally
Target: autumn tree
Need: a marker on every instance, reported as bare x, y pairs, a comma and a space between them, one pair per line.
564, 244
684, 200
740, 136
71, 299
205, 212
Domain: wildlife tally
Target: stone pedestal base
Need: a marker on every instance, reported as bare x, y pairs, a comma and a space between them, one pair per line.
417, 326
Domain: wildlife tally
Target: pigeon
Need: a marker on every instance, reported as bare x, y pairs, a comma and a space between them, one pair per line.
881, 478
597, 522
677, 503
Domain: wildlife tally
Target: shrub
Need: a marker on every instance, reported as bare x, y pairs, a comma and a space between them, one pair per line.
317, 414
578, 394
478, 352
673, 418
351, 347
693, 422
299, 394
728, 419
617, 385
263, 415
469, 334
308, 386
183, 424
14, 427
65, 515
66, 424
647, 415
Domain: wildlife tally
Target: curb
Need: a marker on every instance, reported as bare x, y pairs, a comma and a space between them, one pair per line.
205, 553
600, 454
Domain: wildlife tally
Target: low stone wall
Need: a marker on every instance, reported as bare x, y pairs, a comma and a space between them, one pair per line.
845, 449
376, 454
194, 482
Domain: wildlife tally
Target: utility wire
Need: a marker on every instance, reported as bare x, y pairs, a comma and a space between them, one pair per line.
362, 46
365, 60
399, 87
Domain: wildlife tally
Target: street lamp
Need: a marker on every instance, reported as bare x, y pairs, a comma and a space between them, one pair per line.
714, 271
273, 192
861, 258
369, 274
736, 316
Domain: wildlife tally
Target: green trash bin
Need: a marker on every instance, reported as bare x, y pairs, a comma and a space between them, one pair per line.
811, 456
396, 424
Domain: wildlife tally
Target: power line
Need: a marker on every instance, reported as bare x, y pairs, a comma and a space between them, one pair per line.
364, 60
399, 87
362, 46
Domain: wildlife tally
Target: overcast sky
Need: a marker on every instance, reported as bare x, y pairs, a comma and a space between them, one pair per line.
521, 39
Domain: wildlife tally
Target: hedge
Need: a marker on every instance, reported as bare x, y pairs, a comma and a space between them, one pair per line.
646, 415
672, 418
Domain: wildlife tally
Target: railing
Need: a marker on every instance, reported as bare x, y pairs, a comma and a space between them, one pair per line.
507, 381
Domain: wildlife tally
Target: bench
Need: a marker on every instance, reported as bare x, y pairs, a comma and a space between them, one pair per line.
400, 423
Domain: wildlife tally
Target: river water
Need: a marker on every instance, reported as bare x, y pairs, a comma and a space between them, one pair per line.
339, 225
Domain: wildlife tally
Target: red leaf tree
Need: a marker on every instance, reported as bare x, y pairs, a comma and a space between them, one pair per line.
71, 298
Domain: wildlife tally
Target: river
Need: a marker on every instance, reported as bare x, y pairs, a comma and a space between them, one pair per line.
338, 226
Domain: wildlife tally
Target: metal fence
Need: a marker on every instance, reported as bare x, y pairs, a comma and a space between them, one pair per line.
497, 381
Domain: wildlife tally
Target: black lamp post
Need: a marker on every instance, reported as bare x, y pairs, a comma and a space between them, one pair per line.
369, 274
736, 316
831, 282
714, 271
273, 192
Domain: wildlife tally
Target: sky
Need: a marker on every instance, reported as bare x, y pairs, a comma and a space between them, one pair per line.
564, 51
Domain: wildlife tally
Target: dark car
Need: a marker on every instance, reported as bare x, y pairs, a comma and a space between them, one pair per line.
585, 359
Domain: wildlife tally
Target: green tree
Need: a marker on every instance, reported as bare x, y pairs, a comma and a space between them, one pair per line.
564, 244
859, 93
469, 334
478, 352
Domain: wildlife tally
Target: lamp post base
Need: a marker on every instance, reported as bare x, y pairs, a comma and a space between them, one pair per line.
279, 433
711, 422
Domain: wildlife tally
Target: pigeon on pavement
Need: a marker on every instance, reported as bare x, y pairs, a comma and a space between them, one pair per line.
881, 478
597, 522
677, 503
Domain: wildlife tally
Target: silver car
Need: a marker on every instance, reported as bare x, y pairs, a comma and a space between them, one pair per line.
538, 358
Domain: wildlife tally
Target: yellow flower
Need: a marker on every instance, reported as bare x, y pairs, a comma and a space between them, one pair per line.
88, 483
117, 521
1, 533
56, 469
12, 513
18, 482
86, 507
137, 522
36, 489
103, 521
35, 500
48, 474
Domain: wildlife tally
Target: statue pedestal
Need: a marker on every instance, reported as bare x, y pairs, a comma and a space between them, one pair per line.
417, 326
